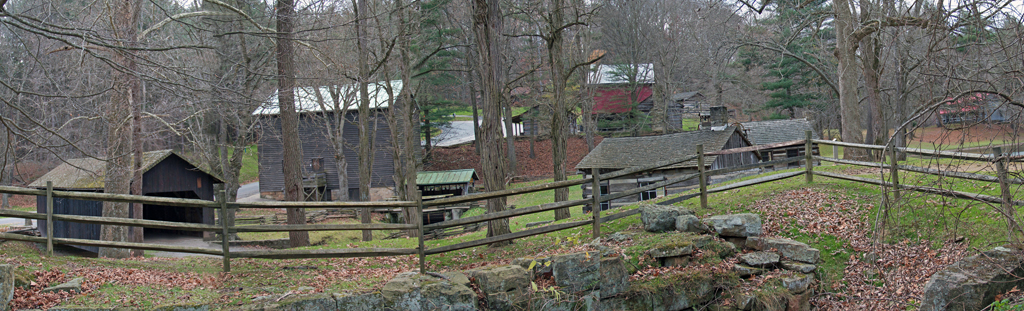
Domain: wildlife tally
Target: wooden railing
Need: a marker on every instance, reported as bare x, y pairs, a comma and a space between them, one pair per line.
225, 229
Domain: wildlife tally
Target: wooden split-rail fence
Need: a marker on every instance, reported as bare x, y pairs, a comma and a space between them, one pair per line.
418, 205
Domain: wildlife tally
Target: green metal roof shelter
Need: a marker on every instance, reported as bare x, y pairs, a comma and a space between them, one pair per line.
446, 183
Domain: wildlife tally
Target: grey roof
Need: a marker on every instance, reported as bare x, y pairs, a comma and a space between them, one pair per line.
777, 131
685, 96
618, 74
88, 173
306, 99
616, 153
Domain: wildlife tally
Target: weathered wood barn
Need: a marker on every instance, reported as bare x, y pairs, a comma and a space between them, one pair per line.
317, 146
614, 94
440, 184
780, 139
618, 153
165, 174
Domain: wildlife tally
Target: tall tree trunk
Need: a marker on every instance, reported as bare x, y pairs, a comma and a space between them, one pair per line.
876, 129
559, 124
486, 28
476, 114
365, 144
510, 138
117, 179
136, 186
409, 111
849, 76
292, 153
6, 142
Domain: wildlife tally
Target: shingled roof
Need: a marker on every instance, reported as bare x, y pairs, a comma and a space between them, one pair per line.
617, 153
777, 131
88, 173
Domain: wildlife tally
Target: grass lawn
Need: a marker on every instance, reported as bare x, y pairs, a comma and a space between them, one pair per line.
920, 218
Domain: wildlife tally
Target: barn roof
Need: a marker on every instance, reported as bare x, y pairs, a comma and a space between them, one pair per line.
616, 153
617, 74
445, 177
616, 100
777, 131
306, 100
88, 173
685, 96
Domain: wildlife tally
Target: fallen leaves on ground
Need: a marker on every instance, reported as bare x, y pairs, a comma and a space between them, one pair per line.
894, 281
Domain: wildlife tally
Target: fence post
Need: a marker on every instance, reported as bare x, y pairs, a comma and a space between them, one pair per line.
224, 236
419, 231
835, 153
702, 177
49, 218
895, 175
1004, 190
809, 157
595, 194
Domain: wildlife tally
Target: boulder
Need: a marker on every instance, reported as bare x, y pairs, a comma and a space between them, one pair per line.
413, 291
672, 251
539, 268
744, 302
576, 272
798, 282
797, 266
619, 237
319, 302
974, 282
790, 249
746, 271
690, 223
500, 279
760, 259
736, 225
75, 285
6, 286
23, 278
614, 276
661, 218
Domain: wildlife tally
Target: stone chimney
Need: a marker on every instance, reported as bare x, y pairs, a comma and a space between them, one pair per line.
719, 116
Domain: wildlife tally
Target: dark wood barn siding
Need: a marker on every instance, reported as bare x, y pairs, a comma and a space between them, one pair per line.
674, 116
174, 177
735, 159
316, 144
67, 229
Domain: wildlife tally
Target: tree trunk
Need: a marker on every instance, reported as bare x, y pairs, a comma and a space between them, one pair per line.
849, 76
876, 129
410, 113
559, 125
117, 178
5, 162
365, 146
292, 153
510, 138
136, 186
486, 28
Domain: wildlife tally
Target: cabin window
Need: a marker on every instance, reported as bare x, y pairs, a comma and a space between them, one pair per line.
649, 194
605, 205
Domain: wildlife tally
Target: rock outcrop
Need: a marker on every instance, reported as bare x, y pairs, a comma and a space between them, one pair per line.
974, 282
661, 218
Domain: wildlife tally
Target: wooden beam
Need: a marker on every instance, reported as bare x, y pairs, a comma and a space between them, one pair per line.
727, 170
924, 152
930, 190
323, 204
509, 236
504, 193
157, 224
124, 198
755, 181
757, 148
324, 253
281, 228
637, 169
20, 214
924, 170
132, 245
620, 215
506, 214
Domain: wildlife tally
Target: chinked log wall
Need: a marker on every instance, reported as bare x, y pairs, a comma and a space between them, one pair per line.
1005, 200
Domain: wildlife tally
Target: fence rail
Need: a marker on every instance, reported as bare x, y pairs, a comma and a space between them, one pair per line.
419, 229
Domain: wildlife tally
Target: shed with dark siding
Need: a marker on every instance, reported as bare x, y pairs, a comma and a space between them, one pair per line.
781, 139
316, 143
618, 153
165, 174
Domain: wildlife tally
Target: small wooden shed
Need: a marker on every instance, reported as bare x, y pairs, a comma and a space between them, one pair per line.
780, 139
165, 174
619, 153
439, 184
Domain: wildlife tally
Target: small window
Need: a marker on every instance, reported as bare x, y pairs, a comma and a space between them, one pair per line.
605, 205
649, 194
